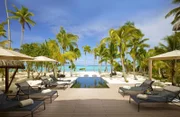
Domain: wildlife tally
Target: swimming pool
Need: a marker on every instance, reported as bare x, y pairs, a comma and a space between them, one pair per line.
89, 82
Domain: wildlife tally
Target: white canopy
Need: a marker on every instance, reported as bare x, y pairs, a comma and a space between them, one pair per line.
42, 59
12, 55
167, 56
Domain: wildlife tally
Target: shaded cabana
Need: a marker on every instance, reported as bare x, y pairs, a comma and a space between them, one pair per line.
8, 60
173, 55
41, 59
12, 55
9, 64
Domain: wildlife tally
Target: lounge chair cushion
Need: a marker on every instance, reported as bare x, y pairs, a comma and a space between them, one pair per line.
132, 90
142, 96
172, 88
46, 91
146, 83
127, 87
1, 92
26, 102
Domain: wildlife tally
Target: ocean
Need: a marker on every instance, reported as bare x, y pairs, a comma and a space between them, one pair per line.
88, 67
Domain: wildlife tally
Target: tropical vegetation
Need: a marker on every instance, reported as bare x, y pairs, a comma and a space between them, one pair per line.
24, 17
176, 13
87, 49
125, 49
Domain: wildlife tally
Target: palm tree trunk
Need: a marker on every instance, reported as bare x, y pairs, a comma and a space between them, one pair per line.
8, 21
134, 69
64, 65
63, 68
173, 72
106, 66
94, 65
123, 68
28, 71
85, 62
111, 70
71, 69
100, 67
22, 36
159, 72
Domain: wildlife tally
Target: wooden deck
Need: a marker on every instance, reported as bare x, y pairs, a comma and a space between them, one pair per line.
97, 103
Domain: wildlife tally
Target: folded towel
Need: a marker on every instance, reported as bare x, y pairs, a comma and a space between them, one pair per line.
175, 100
46, 91
120, 91
26, 102
142, 96
1, 92
126, 87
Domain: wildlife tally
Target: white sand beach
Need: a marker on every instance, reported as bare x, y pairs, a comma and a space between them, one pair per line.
115, 80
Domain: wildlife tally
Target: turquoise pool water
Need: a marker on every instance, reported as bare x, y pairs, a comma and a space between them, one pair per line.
90, 82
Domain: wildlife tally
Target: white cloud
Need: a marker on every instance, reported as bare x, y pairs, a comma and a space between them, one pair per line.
155, 28
16, 36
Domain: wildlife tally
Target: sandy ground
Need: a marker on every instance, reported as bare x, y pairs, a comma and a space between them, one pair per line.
118, 79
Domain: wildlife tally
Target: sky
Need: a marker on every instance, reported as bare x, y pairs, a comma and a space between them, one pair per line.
90, 20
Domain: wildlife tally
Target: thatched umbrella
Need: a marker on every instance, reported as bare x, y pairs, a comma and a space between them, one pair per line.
41, 59
10, 64
11, 55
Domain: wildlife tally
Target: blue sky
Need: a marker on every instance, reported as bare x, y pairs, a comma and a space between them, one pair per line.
91, 19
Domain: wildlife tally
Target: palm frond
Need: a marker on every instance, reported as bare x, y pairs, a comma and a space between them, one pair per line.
173, 12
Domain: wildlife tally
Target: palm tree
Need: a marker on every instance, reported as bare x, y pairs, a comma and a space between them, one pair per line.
136, 44
77, 54
112, 51
55, 53
2, 30
124, 34
87, 49
66, 41
24, 18
3, 43
176, 13
111, 54
8, 22
101, 54
128, 65
95, 52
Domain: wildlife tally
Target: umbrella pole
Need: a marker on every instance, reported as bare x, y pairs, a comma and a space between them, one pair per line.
12, 77
6, 79
150, 69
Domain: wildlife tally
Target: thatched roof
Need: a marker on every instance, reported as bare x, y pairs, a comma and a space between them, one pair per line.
42, 59
13, 55
11, 64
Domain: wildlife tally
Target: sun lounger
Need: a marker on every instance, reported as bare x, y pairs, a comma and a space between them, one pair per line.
48, 83
146, 85
26, 89
7, 105
168, 94
59, 79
